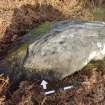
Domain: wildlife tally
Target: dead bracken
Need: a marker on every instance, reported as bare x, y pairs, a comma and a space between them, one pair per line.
89, 89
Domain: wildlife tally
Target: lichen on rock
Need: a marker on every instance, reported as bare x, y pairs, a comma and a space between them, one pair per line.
67, 48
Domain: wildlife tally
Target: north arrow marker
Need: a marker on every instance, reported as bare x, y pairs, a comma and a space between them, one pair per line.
44, 84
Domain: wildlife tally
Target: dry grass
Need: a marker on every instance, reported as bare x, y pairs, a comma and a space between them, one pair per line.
70, 9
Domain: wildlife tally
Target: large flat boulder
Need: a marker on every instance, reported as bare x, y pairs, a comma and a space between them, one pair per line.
67, 48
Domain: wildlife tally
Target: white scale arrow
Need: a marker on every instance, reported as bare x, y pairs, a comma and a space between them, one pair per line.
44, 84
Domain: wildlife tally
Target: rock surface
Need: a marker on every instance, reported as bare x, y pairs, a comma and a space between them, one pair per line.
67, 48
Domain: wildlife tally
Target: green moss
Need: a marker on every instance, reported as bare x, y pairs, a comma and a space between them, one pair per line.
43, 28
99, 13
98, 65
40, 30
22, 48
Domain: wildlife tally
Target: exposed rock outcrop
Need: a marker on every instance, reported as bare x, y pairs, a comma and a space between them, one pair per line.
68, 47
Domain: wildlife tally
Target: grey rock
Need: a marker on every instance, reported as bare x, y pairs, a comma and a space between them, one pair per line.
67, 48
